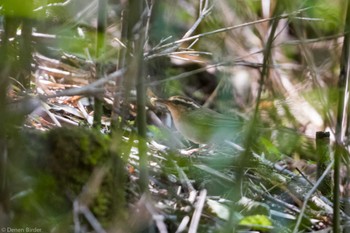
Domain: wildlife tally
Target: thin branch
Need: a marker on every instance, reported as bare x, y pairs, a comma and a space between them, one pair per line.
203, 13
90, 89
198, 211
178, 52
309, 194
149, 8
196, 71
175, 43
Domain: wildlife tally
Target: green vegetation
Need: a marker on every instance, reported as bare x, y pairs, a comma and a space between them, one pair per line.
56, 168
84, 147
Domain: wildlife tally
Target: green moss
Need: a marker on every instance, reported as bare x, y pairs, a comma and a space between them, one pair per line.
57, 166
75, 152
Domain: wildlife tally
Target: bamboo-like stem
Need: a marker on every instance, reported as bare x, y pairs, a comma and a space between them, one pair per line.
136, 27
121, 89
323, 158
264, 75
26, 46
100, 45
341, 124
246, 155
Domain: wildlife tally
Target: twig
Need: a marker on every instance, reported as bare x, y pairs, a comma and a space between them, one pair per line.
204, 11
76, 216
178, 52
215, 173
158, 218
275, 200
185, 181
309, 194
86, 197
226, 29
50, 114
309, 41
149, 8
183, 224
65, 120
91, 219
197, 212
184, 75
90, 89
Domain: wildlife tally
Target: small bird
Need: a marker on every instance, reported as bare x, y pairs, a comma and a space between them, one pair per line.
199, 124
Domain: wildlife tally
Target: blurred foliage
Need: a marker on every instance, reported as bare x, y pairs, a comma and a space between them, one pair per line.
326, 16
257, 222
48, 171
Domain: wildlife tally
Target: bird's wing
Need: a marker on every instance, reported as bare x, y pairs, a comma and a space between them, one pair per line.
210, 118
